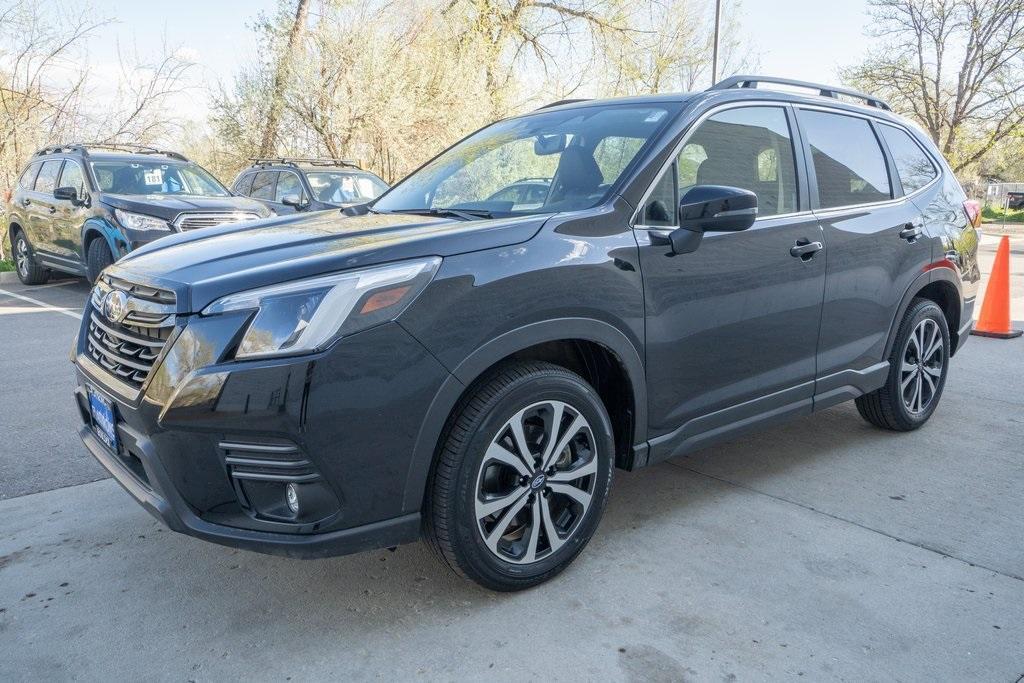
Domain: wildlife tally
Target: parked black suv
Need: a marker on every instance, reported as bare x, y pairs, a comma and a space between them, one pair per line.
78, 208
290, 185
448, 365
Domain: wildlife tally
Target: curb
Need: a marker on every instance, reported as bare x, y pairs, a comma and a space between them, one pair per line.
997, 228
8, 277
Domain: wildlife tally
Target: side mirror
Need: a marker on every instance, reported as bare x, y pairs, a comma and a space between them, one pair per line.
711, 208
549, 144
293, 200
69, 194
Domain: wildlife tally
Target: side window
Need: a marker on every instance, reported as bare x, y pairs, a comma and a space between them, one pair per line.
660, 209
46, 181
915, 168
71, 176
243, 185
747, 147
28, 178
847, 159
263, 185
288, 184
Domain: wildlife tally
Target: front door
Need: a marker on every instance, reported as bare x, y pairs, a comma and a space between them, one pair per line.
732, 328
70, 216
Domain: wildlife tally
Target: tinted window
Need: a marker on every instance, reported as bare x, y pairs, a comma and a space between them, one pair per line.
847, 159
288, 184
660, 208
263, 185
750, 148
29, 176
344, 187
915, 168
71, 176
244, 184
46, 181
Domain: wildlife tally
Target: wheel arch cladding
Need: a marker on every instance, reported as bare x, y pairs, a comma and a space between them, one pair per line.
595, 350
94, 229
941, 286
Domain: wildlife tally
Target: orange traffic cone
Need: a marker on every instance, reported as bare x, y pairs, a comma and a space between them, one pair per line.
994, 320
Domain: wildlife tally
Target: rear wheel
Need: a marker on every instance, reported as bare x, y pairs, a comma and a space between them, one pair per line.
29, 272
917, 371
97, 258
522, 478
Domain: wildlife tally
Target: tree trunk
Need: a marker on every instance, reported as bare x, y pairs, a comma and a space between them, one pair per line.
284, 68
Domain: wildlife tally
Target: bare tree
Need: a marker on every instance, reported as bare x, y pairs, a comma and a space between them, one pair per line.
282, 76
953, 65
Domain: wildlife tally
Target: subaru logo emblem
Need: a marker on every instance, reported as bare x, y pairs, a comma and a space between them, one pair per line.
537, 482
115, 306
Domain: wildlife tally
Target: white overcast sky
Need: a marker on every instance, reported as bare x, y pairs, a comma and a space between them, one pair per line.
804, 39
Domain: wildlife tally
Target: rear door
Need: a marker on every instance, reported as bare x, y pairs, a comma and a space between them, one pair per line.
264, 184
732, 327
877, 244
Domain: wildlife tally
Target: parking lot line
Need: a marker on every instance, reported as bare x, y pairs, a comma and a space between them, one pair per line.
66, 311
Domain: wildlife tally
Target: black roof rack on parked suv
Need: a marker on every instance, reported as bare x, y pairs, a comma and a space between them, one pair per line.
312, 161
560, 103
84, 148
832, 91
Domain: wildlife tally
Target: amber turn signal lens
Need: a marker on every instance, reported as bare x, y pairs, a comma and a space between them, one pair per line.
973, 210
379, 300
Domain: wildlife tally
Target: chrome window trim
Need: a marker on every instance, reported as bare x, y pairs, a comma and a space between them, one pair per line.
686, 138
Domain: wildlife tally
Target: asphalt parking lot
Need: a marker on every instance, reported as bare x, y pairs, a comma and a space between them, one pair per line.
824, 549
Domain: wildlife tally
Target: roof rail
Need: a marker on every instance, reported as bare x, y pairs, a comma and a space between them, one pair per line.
832, 91
561, 102
313, 161
84, 147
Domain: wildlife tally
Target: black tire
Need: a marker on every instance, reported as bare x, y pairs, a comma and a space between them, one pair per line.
452, 526
29, 272
97, 258
888, 406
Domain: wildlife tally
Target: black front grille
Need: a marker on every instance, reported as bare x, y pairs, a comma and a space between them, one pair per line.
127, 351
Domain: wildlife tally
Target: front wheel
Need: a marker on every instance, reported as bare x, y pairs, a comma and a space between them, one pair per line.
97, 258
522, 478
917, 371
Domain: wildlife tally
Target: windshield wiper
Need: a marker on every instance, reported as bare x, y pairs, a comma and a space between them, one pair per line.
464, 214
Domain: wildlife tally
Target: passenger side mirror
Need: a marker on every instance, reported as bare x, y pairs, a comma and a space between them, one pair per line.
549, 144
714, 208
69, 194
293, 200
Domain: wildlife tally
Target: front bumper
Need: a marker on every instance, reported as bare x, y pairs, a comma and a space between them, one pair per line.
351, 414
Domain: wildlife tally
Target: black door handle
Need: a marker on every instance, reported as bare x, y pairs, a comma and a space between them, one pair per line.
805, 249
910, 232
26, 201
53, 209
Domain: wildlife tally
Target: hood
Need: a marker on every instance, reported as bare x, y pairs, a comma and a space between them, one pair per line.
169, 206
203, 265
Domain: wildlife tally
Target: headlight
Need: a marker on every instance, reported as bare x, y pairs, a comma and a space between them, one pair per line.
138, 221
307, 315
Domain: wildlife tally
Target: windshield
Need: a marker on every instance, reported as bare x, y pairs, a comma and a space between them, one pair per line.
543, 162
345, 187
154, 177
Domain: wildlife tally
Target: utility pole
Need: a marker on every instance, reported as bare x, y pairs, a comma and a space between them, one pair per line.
714, 50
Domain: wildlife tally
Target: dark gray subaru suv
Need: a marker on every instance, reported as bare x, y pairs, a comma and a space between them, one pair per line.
450, 364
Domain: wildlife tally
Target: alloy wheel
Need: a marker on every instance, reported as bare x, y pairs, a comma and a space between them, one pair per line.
21, 257
923, 362
536, 482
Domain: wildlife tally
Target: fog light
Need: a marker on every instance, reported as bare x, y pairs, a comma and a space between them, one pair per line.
291, 494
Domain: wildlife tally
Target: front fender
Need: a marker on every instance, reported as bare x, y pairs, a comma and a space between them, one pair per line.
115, 237
501, 347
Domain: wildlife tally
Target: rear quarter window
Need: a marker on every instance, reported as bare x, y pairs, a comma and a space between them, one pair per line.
914, 166
28, 177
